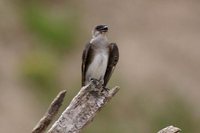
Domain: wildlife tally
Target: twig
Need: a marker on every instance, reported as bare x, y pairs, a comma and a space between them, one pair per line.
82, 109
170, 129
49, 115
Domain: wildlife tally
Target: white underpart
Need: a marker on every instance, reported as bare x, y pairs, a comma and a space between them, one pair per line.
98, 66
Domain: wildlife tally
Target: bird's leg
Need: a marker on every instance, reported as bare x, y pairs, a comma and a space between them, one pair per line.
97, 86
101, 82
96, 83
105, 88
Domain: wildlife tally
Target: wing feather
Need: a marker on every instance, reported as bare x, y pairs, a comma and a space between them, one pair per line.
86, 60
112, 62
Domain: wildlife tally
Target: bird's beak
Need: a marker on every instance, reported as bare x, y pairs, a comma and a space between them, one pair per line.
104, 28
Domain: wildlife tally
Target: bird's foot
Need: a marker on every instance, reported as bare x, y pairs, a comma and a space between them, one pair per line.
97, 83
105, 90
94, 81
97, 86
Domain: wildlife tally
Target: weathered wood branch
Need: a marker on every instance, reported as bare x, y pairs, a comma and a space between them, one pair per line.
49, 115
83, 108
81, 111
170, 129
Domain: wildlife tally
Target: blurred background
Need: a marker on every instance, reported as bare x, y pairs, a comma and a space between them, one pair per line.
41, 44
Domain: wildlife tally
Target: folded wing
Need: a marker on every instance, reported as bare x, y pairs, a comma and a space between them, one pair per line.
86, 60
112, 61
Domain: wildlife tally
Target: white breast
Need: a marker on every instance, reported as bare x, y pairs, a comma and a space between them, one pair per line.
98, 66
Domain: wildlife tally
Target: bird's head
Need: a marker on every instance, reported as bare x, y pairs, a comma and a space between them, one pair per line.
100, 30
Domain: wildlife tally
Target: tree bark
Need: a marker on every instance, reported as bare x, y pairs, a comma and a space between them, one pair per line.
83, 108
50, 114
170, 129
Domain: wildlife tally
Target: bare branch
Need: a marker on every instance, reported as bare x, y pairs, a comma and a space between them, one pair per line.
170, 129
82, 109
49, 115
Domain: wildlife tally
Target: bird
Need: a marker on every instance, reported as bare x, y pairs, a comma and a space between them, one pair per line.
99, 57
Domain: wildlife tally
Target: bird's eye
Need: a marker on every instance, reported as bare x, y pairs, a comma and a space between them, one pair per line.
99, 27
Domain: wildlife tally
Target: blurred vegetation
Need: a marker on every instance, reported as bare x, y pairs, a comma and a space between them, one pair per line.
174, 110
56, 32
39, 69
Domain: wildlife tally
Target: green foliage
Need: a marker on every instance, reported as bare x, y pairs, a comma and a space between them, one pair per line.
57, 32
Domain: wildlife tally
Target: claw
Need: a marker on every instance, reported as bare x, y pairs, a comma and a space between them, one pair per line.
106, 89
97, 88
95, 81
